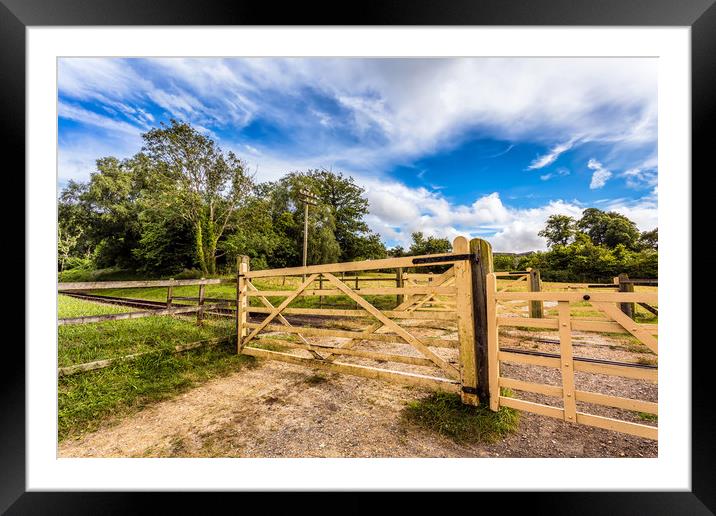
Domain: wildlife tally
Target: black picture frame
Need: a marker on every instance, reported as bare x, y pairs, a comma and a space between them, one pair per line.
699, 15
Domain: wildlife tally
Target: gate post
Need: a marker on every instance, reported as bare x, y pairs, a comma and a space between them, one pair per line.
534, 284
626, 286
465, 323
471, 285
482, 265
242, 267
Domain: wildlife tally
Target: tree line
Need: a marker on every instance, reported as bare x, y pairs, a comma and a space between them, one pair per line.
184, 206
597, 247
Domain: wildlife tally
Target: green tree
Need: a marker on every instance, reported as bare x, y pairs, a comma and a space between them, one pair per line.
430, 245
559, 230
203, 184
608, 228
649, 239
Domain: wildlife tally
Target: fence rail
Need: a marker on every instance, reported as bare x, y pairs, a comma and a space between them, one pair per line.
607, 303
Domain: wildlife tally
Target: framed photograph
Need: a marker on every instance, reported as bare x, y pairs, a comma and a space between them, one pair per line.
413, 249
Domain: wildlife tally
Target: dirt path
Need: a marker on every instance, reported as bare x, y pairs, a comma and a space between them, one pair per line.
280, 410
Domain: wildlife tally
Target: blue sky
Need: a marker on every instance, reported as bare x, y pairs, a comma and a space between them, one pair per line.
484, 147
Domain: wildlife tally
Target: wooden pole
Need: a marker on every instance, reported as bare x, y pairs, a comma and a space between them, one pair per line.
625, 286
200, 312
399, 284
170, 294
482, 265
465, 324
305, 235
534, 284
242, 267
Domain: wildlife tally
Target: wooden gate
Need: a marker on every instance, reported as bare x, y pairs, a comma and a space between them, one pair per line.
572, 402
446, 362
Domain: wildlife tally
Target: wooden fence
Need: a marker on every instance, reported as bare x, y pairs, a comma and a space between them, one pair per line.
440, 297
169, 308
565, 323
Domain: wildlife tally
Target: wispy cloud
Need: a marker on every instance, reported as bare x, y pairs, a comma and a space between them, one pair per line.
600, 175
561, 171
551, 156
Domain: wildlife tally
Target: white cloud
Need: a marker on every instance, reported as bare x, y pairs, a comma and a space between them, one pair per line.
600, 176
551, 156
561, 171
80, 114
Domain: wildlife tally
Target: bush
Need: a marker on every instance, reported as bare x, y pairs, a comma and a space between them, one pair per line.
189, 274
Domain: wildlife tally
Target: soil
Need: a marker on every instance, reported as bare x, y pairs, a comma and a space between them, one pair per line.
285, 410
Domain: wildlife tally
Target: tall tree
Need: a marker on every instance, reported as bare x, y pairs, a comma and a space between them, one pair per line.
608, 228
559, 230
649, 239
206, 186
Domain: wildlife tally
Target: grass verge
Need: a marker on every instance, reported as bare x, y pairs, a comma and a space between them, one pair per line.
88, 400
447, 415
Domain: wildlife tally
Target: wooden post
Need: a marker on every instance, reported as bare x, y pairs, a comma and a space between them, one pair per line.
320, 287
170, 294
465, 323
625, 286
534, 284
493, 345
242, 267
482, 265
399, 284
200, 311
356, 287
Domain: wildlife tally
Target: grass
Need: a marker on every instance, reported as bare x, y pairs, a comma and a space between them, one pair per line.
645, 416
81, 343
68, 307
88, 400
447, 415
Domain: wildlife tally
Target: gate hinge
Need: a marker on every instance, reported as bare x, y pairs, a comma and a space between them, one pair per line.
469, 390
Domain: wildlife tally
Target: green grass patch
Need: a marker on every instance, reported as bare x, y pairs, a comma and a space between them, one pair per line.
447, 415
87, 400
81, 343
645, 416
68, 307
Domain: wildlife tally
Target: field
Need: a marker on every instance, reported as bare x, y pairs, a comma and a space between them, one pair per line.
234, 405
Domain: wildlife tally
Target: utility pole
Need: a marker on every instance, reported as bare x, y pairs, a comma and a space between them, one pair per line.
308, 199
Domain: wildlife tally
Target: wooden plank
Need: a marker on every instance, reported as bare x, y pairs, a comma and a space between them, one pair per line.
101, 285
377, 291
465, 322
414, 341
618, 402
612, 311
280, 307
366, 265
612, 297
539, 388
637, 373
393, 314
373, 355
567, 362
517, 358
625, 427
529, 406
129, 315
412, 379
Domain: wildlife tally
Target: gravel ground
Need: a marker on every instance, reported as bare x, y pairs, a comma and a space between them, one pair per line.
284, 410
